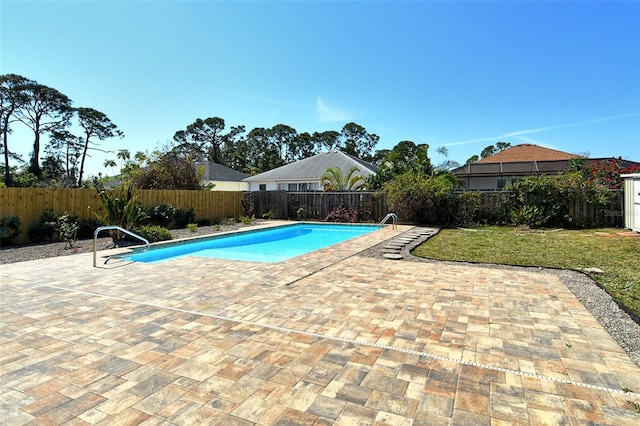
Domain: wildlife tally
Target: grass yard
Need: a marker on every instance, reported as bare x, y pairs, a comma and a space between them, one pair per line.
618, 256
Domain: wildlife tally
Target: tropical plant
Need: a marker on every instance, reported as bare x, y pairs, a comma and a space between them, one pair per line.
334, 180
120, 207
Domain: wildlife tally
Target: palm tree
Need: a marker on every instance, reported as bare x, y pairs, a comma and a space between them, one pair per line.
334, 180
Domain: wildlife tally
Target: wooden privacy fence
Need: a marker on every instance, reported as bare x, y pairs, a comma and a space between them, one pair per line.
29, 203
492, 207
371, 206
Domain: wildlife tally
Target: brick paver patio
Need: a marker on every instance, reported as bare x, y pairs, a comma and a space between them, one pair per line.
331, 337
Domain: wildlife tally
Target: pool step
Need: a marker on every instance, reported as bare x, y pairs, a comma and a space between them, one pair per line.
392, 250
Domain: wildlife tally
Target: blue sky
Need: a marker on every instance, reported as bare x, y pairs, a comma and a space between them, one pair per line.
464, 75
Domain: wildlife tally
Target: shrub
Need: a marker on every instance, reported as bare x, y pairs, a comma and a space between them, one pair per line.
86, 227
154, 233
162, 215
184, 217
421, 198
342, 214
42, 229
67, 229
246, 220
193, 227
9, 229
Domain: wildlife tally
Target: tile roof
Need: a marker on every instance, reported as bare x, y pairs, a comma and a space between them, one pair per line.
527, 152
313, 168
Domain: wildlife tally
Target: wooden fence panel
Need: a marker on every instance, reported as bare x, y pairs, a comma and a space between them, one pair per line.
29, 203
371, 206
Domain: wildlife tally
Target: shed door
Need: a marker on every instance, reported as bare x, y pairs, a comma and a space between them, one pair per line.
636, 205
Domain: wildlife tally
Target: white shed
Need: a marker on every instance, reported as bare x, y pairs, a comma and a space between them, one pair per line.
632, 201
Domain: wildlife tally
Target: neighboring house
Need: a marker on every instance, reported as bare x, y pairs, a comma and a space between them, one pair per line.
516, 162
305, 175
224, 178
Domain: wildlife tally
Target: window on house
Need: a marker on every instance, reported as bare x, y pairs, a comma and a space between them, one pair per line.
292, 187
501, 182
263, 187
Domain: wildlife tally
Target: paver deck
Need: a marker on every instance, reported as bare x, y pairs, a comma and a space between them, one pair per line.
326, 338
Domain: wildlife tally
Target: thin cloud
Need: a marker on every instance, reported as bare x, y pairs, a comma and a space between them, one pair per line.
264, 100
329, 114
541, 129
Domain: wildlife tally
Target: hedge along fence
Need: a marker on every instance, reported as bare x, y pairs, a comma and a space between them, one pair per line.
371, 206
453, 209
29, 203
494, 207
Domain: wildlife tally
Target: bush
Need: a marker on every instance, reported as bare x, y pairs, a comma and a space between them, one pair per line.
342, 214
184, 217
87, 227
154, 233
162, 215
421, 198
42, 229
246, 220
67, 229
192, 227
9, 229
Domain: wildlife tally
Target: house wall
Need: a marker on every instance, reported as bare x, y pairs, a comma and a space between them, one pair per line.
228, 186
483, 182
284, 186
255, 186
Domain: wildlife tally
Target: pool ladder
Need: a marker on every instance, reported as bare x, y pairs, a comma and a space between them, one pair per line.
392, 216
109, 227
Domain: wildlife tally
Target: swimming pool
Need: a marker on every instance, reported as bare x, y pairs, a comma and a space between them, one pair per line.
264, 245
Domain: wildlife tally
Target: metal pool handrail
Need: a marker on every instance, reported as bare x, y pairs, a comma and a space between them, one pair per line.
104, 228
391, 216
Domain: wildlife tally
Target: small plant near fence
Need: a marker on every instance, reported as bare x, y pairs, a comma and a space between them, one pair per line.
192, 227
9, 229
67, 229
342, 214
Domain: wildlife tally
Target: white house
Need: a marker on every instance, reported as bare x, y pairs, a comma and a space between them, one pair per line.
305, 175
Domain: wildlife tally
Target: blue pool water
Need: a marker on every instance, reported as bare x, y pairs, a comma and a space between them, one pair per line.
266, 245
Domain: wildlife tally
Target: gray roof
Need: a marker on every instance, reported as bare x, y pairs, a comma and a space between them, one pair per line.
218, 172
313, 168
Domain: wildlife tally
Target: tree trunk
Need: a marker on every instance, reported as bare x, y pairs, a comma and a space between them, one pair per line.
84, 155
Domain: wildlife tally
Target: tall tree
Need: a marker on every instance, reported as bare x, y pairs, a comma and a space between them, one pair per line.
262, 151
326, 141
12, 97
405, 157
67, 147
285, 140
204, 139
356, 141
45, 110
305, 146
96, 125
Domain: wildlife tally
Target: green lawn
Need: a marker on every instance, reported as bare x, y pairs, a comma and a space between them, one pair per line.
618, 256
